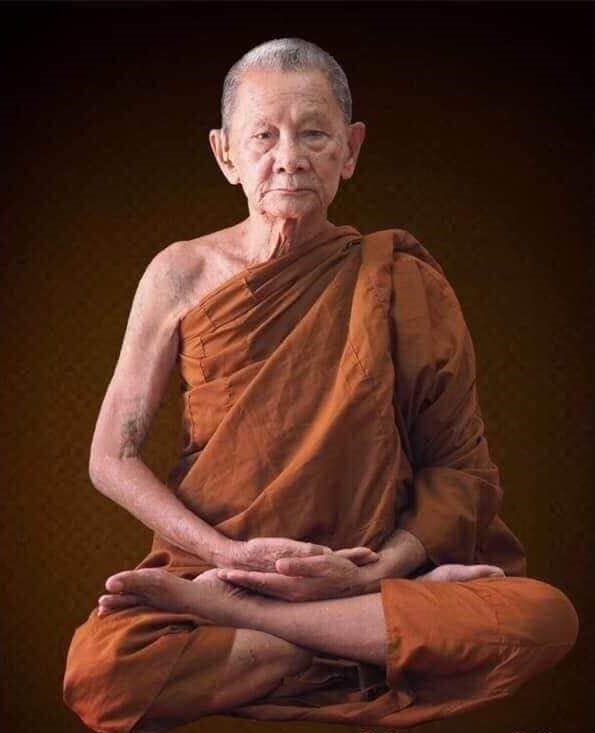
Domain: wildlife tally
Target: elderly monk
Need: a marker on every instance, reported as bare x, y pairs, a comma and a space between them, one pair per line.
328, 546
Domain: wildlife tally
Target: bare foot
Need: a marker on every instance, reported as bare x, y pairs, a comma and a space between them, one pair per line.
220, 601
207, 595
452, 571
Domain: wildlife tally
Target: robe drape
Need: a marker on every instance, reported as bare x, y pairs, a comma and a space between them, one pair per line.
329, 396
344, 377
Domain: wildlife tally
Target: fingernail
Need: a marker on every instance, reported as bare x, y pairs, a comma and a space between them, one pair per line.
114, 585
222, 574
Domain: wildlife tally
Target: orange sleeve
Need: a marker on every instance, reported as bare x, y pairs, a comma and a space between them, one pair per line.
456, 489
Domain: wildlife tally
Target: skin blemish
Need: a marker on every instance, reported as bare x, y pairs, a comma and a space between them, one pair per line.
182, 286
134, 428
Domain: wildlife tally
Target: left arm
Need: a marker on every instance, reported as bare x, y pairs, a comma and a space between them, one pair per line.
455, 491
401, 555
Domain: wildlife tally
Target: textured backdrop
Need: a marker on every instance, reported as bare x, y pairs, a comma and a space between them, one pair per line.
477, 143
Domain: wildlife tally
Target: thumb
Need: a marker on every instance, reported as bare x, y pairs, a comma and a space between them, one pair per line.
313, 549
359, 555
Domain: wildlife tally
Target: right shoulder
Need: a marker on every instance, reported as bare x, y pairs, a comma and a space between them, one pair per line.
172, 277
182, 255
178, 275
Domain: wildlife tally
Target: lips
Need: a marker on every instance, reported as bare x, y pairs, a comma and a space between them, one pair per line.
289, 190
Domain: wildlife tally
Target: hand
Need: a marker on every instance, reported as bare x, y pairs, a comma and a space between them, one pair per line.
261, 553
360, 554
309, 578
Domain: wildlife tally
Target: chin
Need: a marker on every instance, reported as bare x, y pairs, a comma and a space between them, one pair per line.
288, 212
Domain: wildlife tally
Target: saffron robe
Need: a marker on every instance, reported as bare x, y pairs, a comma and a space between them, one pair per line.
330, 396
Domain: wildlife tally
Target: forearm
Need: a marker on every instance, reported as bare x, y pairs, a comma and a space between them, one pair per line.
131, 484
400, 555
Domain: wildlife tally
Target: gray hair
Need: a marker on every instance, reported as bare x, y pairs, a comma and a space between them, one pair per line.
286, 54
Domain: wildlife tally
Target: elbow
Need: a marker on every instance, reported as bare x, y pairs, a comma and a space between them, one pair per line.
97, 472
103, 469
108, 472
97, 462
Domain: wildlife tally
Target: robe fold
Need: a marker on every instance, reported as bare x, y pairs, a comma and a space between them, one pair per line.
329, 396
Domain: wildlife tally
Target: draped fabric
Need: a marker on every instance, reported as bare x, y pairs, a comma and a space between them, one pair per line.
329, 396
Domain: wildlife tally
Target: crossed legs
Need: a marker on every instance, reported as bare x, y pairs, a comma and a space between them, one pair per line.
516, 625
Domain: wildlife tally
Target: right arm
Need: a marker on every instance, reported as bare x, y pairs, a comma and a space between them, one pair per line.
136, 390
134, 394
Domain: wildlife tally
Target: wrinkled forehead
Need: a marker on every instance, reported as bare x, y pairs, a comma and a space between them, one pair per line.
269, 96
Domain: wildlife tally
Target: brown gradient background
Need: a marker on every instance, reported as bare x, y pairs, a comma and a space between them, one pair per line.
478, 143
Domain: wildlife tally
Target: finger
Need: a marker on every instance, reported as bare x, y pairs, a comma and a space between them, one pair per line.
312, 566
367, 559
359, 550
123, 600
314, 549
359, 555
272, 584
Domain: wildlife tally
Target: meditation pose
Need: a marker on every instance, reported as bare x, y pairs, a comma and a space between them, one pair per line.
329, 545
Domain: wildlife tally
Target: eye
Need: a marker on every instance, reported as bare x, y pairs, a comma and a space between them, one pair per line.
314, 133
262, 135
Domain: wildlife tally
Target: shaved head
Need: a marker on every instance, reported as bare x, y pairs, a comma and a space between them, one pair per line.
286, 54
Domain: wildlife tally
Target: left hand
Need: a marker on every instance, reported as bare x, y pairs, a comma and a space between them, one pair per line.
318, 577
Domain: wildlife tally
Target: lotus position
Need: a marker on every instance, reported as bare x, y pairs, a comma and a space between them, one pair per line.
328, 545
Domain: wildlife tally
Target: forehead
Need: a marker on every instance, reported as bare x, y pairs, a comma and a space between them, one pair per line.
266, 93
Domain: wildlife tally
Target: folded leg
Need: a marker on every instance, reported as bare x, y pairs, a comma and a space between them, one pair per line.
451, 647
141, 669
462, 644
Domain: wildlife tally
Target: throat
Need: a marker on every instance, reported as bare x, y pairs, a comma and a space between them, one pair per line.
268, 239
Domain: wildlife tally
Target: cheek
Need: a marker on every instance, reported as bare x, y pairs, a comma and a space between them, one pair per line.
329, 164
332, 155
257, 170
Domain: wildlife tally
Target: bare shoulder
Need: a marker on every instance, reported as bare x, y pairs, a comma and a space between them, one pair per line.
185, 271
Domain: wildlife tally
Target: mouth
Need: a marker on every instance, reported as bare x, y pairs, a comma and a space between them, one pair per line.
290, 190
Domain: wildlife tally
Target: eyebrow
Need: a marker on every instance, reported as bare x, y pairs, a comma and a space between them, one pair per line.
307, 117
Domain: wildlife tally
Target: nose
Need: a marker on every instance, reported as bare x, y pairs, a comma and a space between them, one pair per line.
289, 156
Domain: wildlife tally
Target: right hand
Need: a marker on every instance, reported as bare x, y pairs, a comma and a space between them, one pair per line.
261, 553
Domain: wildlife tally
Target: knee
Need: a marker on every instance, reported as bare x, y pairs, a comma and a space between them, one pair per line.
107, 678
538, 625
551, 618
86, 676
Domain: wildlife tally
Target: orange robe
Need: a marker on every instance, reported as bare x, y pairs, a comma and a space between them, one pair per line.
329, 396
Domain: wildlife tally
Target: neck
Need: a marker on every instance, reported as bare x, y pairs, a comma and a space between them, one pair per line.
267, 237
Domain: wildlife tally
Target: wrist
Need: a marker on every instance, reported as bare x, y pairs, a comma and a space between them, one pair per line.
221, 551
398, 558
231, 552
368, 576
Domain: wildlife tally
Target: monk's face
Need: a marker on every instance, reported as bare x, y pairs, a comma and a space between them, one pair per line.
289, 145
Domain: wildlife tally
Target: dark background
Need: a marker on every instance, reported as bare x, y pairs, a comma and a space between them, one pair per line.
478, 143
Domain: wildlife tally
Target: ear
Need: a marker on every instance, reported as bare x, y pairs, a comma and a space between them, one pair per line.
356, 134
220, 146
